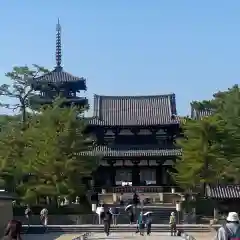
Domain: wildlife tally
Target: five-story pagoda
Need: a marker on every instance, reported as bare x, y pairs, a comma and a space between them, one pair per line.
58, 82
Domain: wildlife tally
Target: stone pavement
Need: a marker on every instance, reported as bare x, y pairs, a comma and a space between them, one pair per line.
101, 236
204, 235
133, 236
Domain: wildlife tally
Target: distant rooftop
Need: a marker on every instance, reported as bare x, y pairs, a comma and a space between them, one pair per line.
198, 114
134, 110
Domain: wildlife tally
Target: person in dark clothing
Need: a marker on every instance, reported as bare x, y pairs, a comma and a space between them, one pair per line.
115, 213
107, 221
148, 222
130, 213
13, 230
131, 217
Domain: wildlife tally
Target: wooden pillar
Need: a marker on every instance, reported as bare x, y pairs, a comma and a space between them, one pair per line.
215, 214
158, 175
112, 175
164, 176
135, 173
112, 172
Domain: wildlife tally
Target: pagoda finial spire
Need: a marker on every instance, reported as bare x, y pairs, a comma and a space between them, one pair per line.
58, 46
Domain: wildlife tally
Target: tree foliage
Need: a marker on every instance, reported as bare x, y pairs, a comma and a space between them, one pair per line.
19, 87
46, 158
55, 140
211, 145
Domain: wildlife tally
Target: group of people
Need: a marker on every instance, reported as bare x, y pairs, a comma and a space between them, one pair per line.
43, 215
229, 230
13, 229
144, 220
109, 215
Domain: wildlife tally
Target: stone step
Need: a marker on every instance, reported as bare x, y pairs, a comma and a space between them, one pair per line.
160, 215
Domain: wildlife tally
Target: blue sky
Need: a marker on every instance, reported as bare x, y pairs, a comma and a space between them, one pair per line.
129, 47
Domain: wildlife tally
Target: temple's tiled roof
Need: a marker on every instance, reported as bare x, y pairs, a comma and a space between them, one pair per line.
134, 110
131, 151
223, 191
199, 112
59, 76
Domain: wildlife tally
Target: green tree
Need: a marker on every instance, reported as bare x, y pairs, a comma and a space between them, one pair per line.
228, 110
55, 141
19, 88
11, 154
211, 147
200, 162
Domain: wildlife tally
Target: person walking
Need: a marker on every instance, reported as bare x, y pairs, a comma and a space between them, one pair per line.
129, 210
148, 222
107, 221
28, 213
115, 213
131, 216
100, 213
13, 230
230, 230
172, 222
141, 223
44, 217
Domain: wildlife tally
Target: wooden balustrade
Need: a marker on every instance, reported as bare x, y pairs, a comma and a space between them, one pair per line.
132, 189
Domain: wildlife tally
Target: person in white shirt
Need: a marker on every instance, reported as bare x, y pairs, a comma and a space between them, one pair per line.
44, 216
100, 211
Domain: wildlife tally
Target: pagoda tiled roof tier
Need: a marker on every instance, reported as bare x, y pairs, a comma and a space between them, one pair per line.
134, 110
58, 76
132, 151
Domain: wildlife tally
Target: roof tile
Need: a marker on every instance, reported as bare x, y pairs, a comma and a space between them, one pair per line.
223, 191
134, 110
57, 76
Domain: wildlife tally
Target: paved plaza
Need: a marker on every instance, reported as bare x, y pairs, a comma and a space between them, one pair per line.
116, 236
101, 236
134, 236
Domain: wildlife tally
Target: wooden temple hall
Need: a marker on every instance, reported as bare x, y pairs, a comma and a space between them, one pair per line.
134, 139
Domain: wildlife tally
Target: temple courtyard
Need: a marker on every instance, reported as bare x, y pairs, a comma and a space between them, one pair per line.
117, 236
